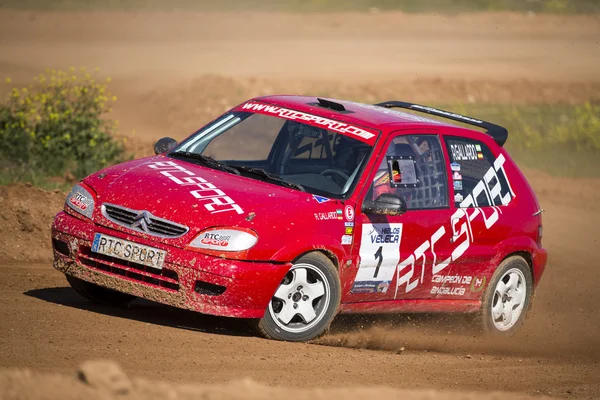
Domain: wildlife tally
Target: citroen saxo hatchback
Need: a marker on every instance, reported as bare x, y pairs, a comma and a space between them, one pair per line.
291, 209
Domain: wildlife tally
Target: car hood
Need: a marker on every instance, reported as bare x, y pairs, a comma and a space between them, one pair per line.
200, 197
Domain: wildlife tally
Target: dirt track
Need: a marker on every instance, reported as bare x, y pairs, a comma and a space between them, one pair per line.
159, 64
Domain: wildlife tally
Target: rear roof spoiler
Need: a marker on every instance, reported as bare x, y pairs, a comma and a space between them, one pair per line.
497, 132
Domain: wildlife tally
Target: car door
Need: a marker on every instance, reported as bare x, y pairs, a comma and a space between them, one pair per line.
399, 254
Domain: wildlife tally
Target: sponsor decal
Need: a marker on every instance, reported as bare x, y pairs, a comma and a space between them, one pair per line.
340, 127
478, 284
458, 185
371, 287
464, 152
346, 239
447, 113
214, 199
455, 167
349, 213
449, 291
348, 223
324, 216
349, 230
215, 239
320, 199
380, 243
462, 234
458, 198
457, 176
80, 201
379, 253
454, 279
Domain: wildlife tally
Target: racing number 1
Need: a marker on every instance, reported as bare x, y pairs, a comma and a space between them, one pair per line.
378, 255
379, 252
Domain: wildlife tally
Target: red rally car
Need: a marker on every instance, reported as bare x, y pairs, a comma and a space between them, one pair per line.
292, 209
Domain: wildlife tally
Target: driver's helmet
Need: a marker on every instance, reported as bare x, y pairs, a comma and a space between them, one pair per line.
381, 183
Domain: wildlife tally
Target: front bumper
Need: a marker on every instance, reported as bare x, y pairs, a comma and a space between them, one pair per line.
188, 280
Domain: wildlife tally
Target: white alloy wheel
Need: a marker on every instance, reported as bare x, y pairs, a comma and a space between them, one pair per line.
506, 300
305, 302
301, 300
509, 299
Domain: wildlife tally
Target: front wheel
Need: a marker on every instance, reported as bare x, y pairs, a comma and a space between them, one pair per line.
507, 298
305, 302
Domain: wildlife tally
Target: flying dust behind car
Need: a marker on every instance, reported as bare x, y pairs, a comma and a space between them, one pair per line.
351, 208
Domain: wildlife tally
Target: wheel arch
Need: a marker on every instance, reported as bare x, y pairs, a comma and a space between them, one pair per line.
527, 256
522, 246
327, 253
325, 245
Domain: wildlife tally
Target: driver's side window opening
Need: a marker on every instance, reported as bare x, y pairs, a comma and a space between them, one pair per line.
414, 170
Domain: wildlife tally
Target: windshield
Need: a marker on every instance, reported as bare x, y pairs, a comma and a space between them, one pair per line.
279, 151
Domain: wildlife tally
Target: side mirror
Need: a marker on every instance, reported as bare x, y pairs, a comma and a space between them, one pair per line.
164, 144
385, 204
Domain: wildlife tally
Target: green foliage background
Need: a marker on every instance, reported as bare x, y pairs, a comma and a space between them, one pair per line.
57, 127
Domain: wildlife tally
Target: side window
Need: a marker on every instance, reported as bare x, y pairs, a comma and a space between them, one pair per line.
470, 163
413, 169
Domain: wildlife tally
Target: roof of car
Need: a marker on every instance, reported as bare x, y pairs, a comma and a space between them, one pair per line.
356, 113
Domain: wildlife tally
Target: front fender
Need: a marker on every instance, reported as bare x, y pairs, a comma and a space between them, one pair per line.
295, 248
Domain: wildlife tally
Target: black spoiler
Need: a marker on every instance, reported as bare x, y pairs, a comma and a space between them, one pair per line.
497, 132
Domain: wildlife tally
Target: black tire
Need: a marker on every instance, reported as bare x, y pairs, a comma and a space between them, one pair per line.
511, 266
98, 294
318, 268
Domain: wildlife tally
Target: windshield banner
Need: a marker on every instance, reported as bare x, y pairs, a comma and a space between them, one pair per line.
361, 134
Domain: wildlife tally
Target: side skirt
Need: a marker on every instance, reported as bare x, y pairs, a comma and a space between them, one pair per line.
411, 306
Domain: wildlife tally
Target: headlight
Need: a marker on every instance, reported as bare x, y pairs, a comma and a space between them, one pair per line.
81, 201
229, 239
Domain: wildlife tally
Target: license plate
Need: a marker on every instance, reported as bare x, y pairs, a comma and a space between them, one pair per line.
129, 251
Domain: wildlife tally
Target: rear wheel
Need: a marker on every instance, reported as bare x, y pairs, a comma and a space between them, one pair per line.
98, 294
305, 302
507, 298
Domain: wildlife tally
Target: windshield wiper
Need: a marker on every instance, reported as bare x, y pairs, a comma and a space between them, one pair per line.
270, 177
205, 160
212, 163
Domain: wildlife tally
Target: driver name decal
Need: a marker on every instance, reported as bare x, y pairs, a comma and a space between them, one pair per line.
466, 152
343, 128
214, 199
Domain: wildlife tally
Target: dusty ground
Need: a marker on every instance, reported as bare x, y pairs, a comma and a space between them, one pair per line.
174, 71
102, 379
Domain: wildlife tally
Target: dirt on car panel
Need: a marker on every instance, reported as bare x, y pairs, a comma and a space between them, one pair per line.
121, 285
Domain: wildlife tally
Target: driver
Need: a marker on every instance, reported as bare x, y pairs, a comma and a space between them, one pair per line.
381, 183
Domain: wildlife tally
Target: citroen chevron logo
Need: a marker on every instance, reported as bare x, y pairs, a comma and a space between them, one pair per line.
142, 221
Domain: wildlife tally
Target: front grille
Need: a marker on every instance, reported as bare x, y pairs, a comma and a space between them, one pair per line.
142, 221
164, 278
